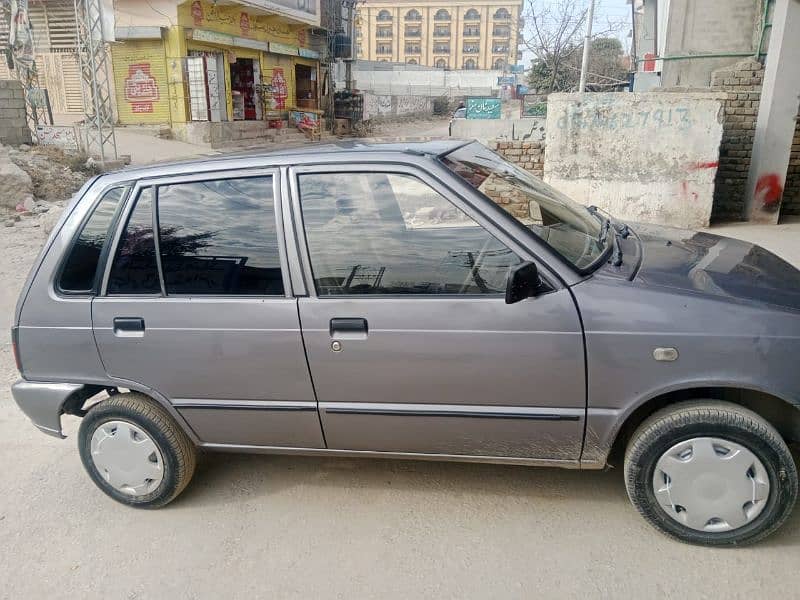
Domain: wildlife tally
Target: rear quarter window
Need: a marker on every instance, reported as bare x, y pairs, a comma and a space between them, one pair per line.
79, 272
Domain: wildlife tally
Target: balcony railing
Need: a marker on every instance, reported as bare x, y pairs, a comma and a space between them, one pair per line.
441, 49
382, 50
412, 49
414, 32
472, 32
441, 32
384, 33
501, 32
471, 50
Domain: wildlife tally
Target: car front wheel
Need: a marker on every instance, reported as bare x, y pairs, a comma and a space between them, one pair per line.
711, 473
135, 451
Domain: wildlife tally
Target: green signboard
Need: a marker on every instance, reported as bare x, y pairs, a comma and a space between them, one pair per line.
483, 108
534, 105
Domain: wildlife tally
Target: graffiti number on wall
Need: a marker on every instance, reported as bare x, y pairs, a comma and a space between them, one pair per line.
603, 117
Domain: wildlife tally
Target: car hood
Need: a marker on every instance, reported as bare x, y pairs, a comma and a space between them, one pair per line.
715, 265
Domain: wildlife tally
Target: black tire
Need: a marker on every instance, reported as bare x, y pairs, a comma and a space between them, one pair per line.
178, 452
710, 418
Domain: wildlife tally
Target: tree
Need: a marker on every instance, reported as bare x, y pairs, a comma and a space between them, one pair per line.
555, 37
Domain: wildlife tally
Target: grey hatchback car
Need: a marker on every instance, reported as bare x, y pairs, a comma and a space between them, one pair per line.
377, 300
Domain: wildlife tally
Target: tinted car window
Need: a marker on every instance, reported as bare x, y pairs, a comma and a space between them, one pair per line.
80, 268
134, 270
219, 237
378, 233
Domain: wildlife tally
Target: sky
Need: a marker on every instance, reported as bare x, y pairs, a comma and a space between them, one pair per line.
616, 11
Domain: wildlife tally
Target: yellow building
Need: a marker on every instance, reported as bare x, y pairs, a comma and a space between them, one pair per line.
198, 63
481, 34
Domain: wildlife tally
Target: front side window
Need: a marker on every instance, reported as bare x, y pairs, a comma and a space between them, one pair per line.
564, 225
80, 268
388, 233
134, 270
219, 237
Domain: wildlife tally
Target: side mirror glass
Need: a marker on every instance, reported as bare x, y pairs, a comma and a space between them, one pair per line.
523, 282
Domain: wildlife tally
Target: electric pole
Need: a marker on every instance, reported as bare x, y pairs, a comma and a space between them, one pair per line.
587, 42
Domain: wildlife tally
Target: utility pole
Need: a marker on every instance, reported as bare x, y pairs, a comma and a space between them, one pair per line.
587, 42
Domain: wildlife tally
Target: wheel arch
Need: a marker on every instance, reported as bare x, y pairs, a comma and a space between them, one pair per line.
781, 413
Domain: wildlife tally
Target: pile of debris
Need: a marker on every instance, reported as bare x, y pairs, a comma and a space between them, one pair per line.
37, 179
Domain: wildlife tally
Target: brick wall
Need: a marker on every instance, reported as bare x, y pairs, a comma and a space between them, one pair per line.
13, 127
742, 82
529, 156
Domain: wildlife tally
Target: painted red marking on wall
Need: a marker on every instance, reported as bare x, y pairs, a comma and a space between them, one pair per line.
769, 190
704, 165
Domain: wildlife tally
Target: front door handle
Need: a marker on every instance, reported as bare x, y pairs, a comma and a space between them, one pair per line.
128, 326
353, 328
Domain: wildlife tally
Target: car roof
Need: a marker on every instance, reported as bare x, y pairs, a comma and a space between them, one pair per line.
308, 153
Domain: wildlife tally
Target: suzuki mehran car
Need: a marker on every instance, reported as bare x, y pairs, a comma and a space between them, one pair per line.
377, 300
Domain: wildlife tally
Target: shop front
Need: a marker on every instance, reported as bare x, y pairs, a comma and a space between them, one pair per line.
222, 74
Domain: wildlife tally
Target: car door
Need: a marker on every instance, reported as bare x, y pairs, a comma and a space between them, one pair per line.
410, 343
196, 306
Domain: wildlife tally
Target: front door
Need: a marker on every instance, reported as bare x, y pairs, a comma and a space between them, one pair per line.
409, 340
197, 309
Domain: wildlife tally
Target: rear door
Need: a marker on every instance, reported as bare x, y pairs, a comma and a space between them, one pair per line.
410, 342
196, 305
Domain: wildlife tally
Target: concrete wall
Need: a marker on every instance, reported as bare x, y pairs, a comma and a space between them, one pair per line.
13, 126
497, 130
407, 80
649, 157
377, 107
703, 27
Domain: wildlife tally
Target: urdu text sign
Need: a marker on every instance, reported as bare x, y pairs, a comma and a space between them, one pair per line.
483, 108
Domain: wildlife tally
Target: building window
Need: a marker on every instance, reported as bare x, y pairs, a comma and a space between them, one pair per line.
412, 48
501, 14
383, 32
469, 64
500, 48
441, 63
441, 15
501, 31
441, 48
472, 15
413, 31
441, 31
411, 61
413, 15
472, 31
471, 48
500, 64
384, 49
384, 15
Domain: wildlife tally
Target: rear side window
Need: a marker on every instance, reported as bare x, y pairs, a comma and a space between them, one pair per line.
219, 237
80, 268
134, 270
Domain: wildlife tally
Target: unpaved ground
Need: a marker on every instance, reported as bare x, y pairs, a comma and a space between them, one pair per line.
292, 527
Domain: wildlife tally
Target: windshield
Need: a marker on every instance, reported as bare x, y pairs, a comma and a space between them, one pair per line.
566, 226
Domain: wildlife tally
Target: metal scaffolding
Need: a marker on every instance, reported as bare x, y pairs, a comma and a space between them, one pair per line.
93, 60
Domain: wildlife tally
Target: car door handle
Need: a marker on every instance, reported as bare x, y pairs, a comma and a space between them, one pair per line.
128, 326
354, 328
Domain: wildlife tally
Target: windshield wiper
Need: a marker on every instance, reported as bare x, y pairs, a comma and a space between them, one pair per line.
616, 253
607, 225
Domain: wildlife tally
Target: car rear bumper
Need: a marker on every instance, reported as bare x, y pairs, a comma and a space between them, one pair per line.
44, 402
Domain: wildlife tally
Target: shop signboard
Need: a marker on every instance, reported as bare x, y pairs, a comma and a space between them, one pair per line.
517, 69
252, 44
278, 48
534, 105
306, 53
507, 80
212, 37
483, 108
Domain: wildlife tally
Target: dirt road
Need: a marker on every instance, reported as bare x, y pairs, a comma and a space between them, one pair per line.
284, 527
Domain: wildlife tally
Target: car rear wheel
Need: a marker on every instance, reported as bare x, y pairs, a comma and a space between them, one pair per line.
135, 451
711, 473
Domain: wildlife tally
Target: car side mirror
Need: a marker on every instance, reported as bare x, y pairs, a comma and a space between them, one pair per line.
523, 282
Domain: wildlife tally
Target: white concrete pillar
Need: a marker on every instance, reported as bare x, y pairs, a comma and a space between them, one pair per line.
778, 109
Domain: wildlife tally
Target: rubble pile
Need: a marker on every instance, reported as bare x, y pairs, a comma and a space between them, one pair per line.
38, 180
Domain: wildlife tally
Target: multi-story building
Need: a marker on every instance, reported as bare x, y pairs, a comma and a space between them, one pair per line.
459, 34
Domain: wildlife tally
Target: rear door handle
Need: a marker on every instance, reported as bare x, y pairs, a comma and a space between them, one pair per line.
128, 326
354, 328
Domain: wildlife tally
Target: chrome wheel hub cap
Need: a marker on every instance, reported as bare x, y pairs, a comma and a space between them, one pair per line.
711, 484
127, 458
